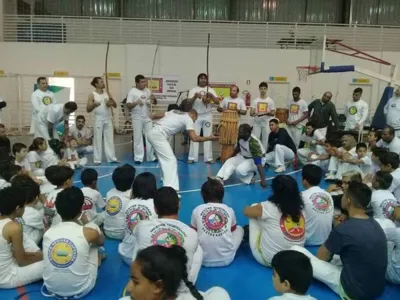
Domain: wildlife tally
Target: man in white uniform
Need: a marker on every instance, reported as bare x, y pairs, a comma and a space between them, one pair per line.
233, 103
312, 141
171, 123
201, 98
298, 113
392, 112
356, 112
389, 140
40, 99
337, 164
100, 103
48, 119
262, 109
82, 134
139, 101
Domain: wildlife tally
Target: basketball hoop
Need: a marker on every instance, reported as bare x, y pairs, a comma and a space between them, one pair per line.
304, 71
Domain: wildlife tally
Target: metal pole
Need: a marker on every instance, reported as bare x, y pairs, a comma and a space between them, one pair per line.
351, 12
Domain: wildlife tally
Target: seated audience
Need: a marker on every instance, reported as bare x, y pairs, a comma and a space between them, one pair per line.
7, 171
390, 163
47, 187
337, 162
39, 145
361, 163
83, 135
389, 140
383, 201
277, 224
321, 159
373, 138
215, 223
311, 141
393, 268
72, 157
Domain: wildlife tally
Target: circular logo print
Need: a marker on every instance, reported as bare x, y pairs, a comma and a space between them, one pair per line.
215, 220
62, 253
207, 124
114, 206
87, 204
203, 93
134, 215
79, 135
293, 230
320, 202
388, 208
143, 97
167, 238
352, 110
47, 100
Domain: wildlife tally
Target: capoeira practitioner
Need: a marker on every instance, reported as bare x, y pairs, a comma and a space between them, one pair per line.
322, 112
337, 164
298, 113
389, 140
48, 119
83, 135
262, 109
281, 148
313, 141
101, 104
392, 112
171, 123
356, 113
248, 157
233, 102
40, 99
201, 102
139, 100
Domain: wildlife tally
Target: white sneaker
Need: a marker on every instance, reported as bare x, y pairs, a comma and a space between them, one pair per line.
330, 177
281, 169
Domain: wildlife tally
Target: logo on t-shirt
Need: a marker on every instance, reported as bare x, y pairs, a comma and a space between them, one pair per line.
293, 231
387, 207
114, 206
262, 107
79, 135
352, 110
294, 108
166, 236
136, 213
232, 106
143, 97
321, 203
46, 100
62, 253
87, 203
214, 220
37, 164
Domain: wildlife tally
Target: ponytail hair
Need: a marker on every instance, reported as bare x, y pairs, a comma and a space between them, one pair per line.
36, 143
168, 265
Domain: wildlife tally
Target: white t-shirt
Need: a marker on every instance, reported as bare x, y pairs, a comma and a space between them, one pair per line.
93, 200
290, 296
279, 233
233, 104
297, 110
4, 184
34, 160
174, 122
71, 154
53, 114
198, 104
214, 223
32, 222
310, 140
40, 101
24, 164
46, 188
115, 207
395, 187
102, 112
318, 208
51, 204
85, 132
366, 167
392, 112
263, 106
356, 113
383, 203
393, 146
139, 111
49, 158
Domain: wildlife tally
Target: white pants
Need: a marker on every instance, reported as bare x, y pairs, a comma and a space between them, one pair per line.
254, 241
339, 167
237, 238
80, 162
295, 133
85, 149
41, 130
323, 271
203, 122
261, 131
140, 127
397, 133
278, 157
166, 157
244, 168
303, 153
323, 131
103, 129
196, 265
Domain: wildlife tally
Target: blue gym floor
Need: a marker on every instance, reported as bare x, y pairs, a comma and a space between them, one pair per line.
243, 279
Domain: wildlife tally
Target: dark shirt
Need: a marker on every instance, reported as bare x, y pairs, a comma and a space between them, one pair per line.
362, 246
320, 113
281, 137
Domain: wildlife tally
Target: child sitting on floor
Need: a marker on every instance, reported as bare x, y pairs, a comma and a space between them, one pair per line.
362, 163
7, 171
72, 157
292, 275
93, 198
39, 145
117, 199
19, 266
140, 207
215, 223
47, 187
19, 151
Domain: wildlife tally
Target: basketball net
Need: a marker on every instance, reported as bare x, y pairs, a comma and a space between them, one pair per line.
303, 73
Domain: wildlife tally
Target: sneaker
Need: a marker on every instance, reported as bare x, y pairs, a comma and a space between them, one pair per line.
97, 163
190, 161
330, 177
137, 162
280, 169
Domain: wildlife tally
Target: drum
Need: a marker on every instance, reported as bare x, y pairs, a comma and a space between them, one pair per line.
228, 133
282, 114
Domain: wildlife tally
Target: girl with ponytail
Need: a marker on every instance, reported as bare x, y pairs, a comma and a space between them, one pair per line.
158, 274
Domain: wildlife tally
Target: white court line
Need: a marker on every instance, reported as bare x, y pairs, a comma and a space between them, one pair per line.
116, 166
237, 184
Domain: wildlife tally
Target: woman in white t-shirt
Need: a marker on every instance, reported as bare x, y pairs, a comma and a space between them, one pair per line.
140, 207
39, 145
159, 273
279, 223
215, 223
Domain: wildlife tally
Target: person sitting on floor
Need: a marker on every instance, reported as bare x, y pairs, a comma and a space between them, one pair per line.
117, 199
337, 164
318, 206
373, 138
390, 162
83, 135
292, 275
321, 159
279, 223
383, 201
167, 230
281, 148
389, 140
71, 251
393, 268
361, 244
248, 157
311, 141
215, 223
361, 163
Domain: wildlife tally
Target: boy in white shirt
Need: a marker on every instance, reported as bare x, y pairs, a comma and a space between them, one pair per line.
72, 157
215, 223
117, 199
47, 187
292, 275
362, 163
167, 230
318, 206
93, 199
312, 141
298, 113
383, 202
356, 112
390, 163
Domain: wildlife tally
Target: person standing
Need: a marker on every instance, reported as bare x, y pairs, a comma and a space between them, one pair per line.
321, 111
139, 100
233, 102
356, 112
100, 103
392, 112
201, 98
40, 99
298, 113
